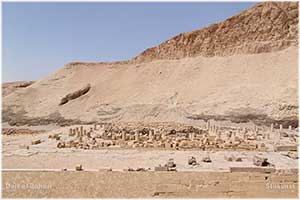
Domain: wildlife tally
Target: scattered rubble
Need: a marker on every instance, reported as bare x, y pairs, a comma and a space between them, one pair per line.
232, 158
192, 161
238, 159
206, 159
171, 136
24, 146
79, 168
139, 169
35, 142
260, 161
169, 166
292, 155
54, 136
229, 158
16, 131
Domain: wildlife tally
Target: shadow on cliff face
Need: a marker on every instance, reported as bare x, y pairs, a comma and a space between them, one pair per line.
237, 116
245, 115
20, 119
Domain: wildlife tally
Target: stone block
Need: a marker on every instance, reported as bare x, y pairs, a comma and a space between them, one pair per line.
35, 142
78, 168
192, 161
61, 145
286, 148
161, 168
260, 161
22, 146
253, 169
206, 159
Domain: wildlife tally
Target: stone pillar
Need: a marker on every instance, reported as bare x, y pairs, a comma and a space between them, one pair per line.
163, 136
136, 138
154, 135
280, 127
81, 130
278, 136
290, 128
151, 133
233, 136
272, 128
208, 125
70, 132
228, 135
95, 127
256, 131
104, 136
77, 132
245, 134
191, 136
89, 134
123, 135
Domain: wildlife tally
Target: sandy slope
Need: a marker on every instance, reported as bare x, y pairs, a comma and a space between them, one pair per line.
169, 90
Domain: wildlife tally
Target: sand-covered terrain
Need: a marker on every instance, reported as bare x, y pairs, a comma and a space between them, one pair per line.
255, 81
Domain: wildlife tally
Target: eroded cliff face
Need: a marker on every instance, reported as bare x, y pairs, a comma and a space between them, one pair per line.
242, 70
266, 27
10, 87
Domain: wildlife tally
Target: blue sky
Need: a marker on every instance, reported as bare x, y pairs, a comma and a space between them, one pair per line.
39, 38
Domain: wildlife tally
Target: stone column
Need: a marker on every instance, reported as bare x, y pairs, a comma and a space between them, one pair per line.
136, 138
208, 125
244, 134
151, 133
70, 132
280, 127
219, 135
278, 136
228, 135
272, 128
279, 132
77, 132
233, 136
191, 136
256, 131
104, 135
123, 135
290, 128
81, 130
89, 134
163, 136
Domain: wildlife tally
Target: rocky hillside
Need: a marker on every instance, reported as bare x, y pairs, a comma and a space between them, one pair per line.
253, 78
266, 27
10, 87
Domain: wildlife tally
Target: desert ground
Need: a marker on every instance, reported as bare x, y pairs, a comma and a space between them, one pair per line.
131, 150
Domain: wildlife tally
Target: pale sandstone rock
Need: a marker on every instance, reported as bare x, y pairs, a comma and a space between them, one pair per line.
242, 33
